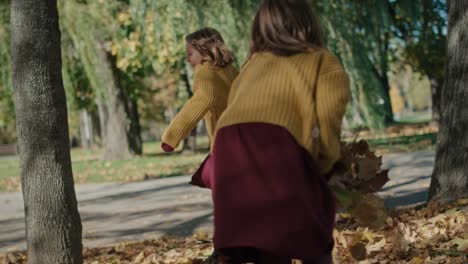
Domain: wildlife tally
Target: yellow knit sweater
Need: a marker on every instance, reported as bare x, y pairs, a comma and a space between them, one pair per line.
210, 91
306, 93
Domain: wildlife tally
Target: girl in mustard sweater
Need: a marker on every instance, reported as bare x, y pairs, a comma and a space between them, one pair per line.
213, 75
277, 141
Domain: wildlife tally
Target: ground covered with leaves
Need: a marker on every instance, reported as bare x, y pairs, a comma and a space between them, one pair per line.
430, 234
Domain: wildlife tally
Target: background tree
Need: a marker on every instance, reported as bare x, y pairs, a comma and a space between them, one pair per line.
53, 226
117, 105
359, 33
421, 27
125, 70
450, 177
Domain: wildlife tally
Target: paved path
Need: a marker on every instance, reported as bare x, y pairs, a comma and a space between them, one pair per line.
114, 212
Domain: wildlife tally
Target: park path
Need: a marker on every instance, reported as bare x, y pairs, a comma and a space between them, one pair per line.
114, 212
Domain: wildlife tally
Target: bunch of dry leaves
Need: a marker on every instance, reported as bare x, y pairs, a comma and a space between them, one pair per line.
355, 180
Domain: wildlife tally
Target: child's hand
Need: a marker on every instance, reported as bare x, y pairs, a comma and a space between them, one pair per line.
166, 147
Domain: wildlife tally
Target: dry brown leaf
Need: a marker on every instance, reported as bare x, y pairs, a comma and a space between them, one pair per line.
358, 251
377, 246
359, 169
139, 258
462, 244
367, 168
375, 184
370, 211
417, 260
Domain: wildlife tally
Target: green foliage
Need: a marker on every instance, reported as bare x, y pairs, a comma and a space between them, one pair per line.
358, 34
146, 38
424, 34
80, 94
7, 110
150, 44
367, 35
87, 32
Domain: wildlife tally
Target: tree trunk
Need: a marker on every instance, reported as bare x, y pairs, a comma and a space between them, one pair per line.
190, 143
388, 120
123, 138
96, 126
436, 87
86, 130
134, 132
387, 110
53, 227
450, 177
103, 117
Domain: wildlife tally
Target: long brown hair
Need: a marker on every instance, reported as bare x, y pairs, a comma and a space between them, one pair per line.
209, 42
285, 27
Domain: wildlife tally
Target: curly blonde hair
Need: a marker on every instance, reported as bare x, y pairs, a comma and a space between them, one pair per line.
209, 42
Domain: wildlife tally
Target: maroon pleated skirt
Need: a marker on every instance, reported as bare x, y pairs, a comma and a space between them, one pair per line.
268, 193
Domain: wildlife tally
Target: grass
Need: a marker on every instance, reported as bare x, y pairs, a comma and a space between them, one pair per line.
88, 168
416, 118
8, 167
403, 143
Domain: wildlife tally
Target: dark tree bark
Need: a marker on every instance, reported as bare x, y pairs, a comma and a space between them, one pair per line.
436, 89
103, 117
382, 76
95, 122
134, 132
450, 177
53, 227
190, 142
389, 118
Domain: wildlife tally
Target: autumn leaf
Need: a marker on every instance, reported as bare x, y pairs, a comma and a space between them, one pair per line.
462, 244
370, 211
417, 260
359, 169
358, 251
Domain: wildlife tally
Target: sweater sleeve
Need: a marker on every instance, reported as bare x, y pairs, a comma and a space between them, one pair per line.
332, 96
195, 108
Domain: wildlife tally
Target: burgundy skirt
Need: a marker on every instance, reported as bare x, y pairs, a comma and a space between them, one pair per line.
267, 193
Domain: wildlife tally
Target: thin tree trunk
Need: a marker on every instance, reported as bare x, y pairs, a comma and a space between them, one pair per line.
103, 118
450, 177
86, 130
386, 103
134, 132
389, 119
53, 227
190, 143
96, 126
436, 87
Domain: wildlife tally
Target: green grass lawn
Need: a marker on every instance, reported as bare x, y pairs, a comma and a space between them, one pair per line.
89, 168
416, 118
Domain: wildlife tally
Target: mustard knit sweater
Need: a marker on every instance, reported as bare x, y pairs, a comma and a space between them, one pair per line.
210, 91
306, 93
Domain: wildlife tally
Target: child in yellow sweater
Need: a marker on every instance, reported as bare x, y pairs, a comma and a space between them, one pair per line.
214, 73
277, 141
